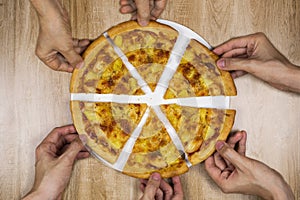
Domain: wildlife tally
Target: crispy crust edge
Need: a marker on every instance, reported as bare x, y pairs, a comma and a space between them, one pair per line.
130, 25
165, 173
227, 126
229, 86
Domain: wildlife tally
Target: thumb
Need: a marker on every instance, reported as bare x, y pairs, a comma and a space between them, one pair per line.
152, 186
143, 12
73, 58
71, 153
230, 154
242, 64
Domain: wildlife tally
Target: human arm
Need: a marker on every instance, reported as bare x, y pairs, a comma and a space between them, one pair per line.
157, 188
55, 157
143, 10
233, 172
255, 54
55, 45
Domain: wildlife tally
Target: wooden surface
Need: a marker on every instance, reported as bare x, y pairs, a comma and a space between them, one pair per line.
34, 99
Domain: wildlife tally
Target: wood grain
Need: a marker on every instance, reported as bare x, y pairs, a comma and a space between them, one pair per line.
35, 99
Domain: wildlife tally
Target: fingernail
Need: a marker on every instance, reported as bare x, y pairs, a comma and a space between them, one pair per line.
221, 63
80, 65
155, 176
143, 22
83, 138
220, 145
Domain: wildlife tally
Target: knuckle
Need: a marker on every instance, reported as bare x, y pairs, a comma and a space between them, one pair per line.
38, 52
40, 148
56, 129
225, 190
260, 35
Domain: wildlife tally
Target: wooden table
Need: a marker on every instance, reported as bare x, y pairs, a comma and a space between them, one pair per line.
35, 99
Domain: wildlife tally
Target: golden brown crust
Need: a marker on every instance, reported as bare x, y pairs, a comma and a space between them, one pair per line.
207, 150
173, 170
194, 53
133, 25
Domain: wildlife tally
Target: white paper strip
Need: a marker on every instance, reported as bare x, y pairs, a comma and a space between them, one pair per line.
184, 30
219, 102
174, 60
127, 149
172, 133
114, 98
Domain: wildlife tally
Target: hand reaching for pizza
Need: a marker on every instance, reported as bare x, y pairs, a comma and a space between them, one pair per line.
55, 45
55, 158
157, 188
256, 55
143, 10
233, 172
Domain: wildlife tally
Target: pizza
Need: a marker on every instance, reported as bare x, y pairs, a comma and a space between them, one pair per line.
136, 100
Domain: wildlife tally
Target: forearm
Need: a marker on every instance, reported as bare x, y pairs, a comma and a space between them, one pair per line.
33, 195
282, 75
292, 79
47, 8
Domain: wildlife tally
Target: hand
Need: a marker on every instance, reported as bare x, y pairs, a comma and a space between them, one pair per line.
158, 189
143, 10
235, 173
55, 158
55, 45
255, 54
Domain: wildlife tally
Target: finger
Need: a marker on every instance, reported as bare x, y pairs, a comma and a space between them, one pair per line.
57, 132
127, 9
229, 64
159, 7
82, 155
45, 148
70, 137
242, 144
55, 61
159, 195
142, 187
134, 16
72, 57
219, 161
178, 192
143, 184
60, 151
213, 171
234, 43
143, 12
152, 186
71, 153
126, 2
236, 74
230, 155
80, 48
166, 189
234, 139
235, 53
83, 43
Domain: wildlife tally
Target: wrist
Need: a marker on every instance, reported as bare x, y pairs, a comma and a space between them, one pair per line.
282, 191
47, 9
32, 195
292, 80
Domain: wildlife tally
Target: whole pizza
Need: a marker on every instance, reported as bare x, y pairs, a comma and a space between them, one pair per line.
151, 99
